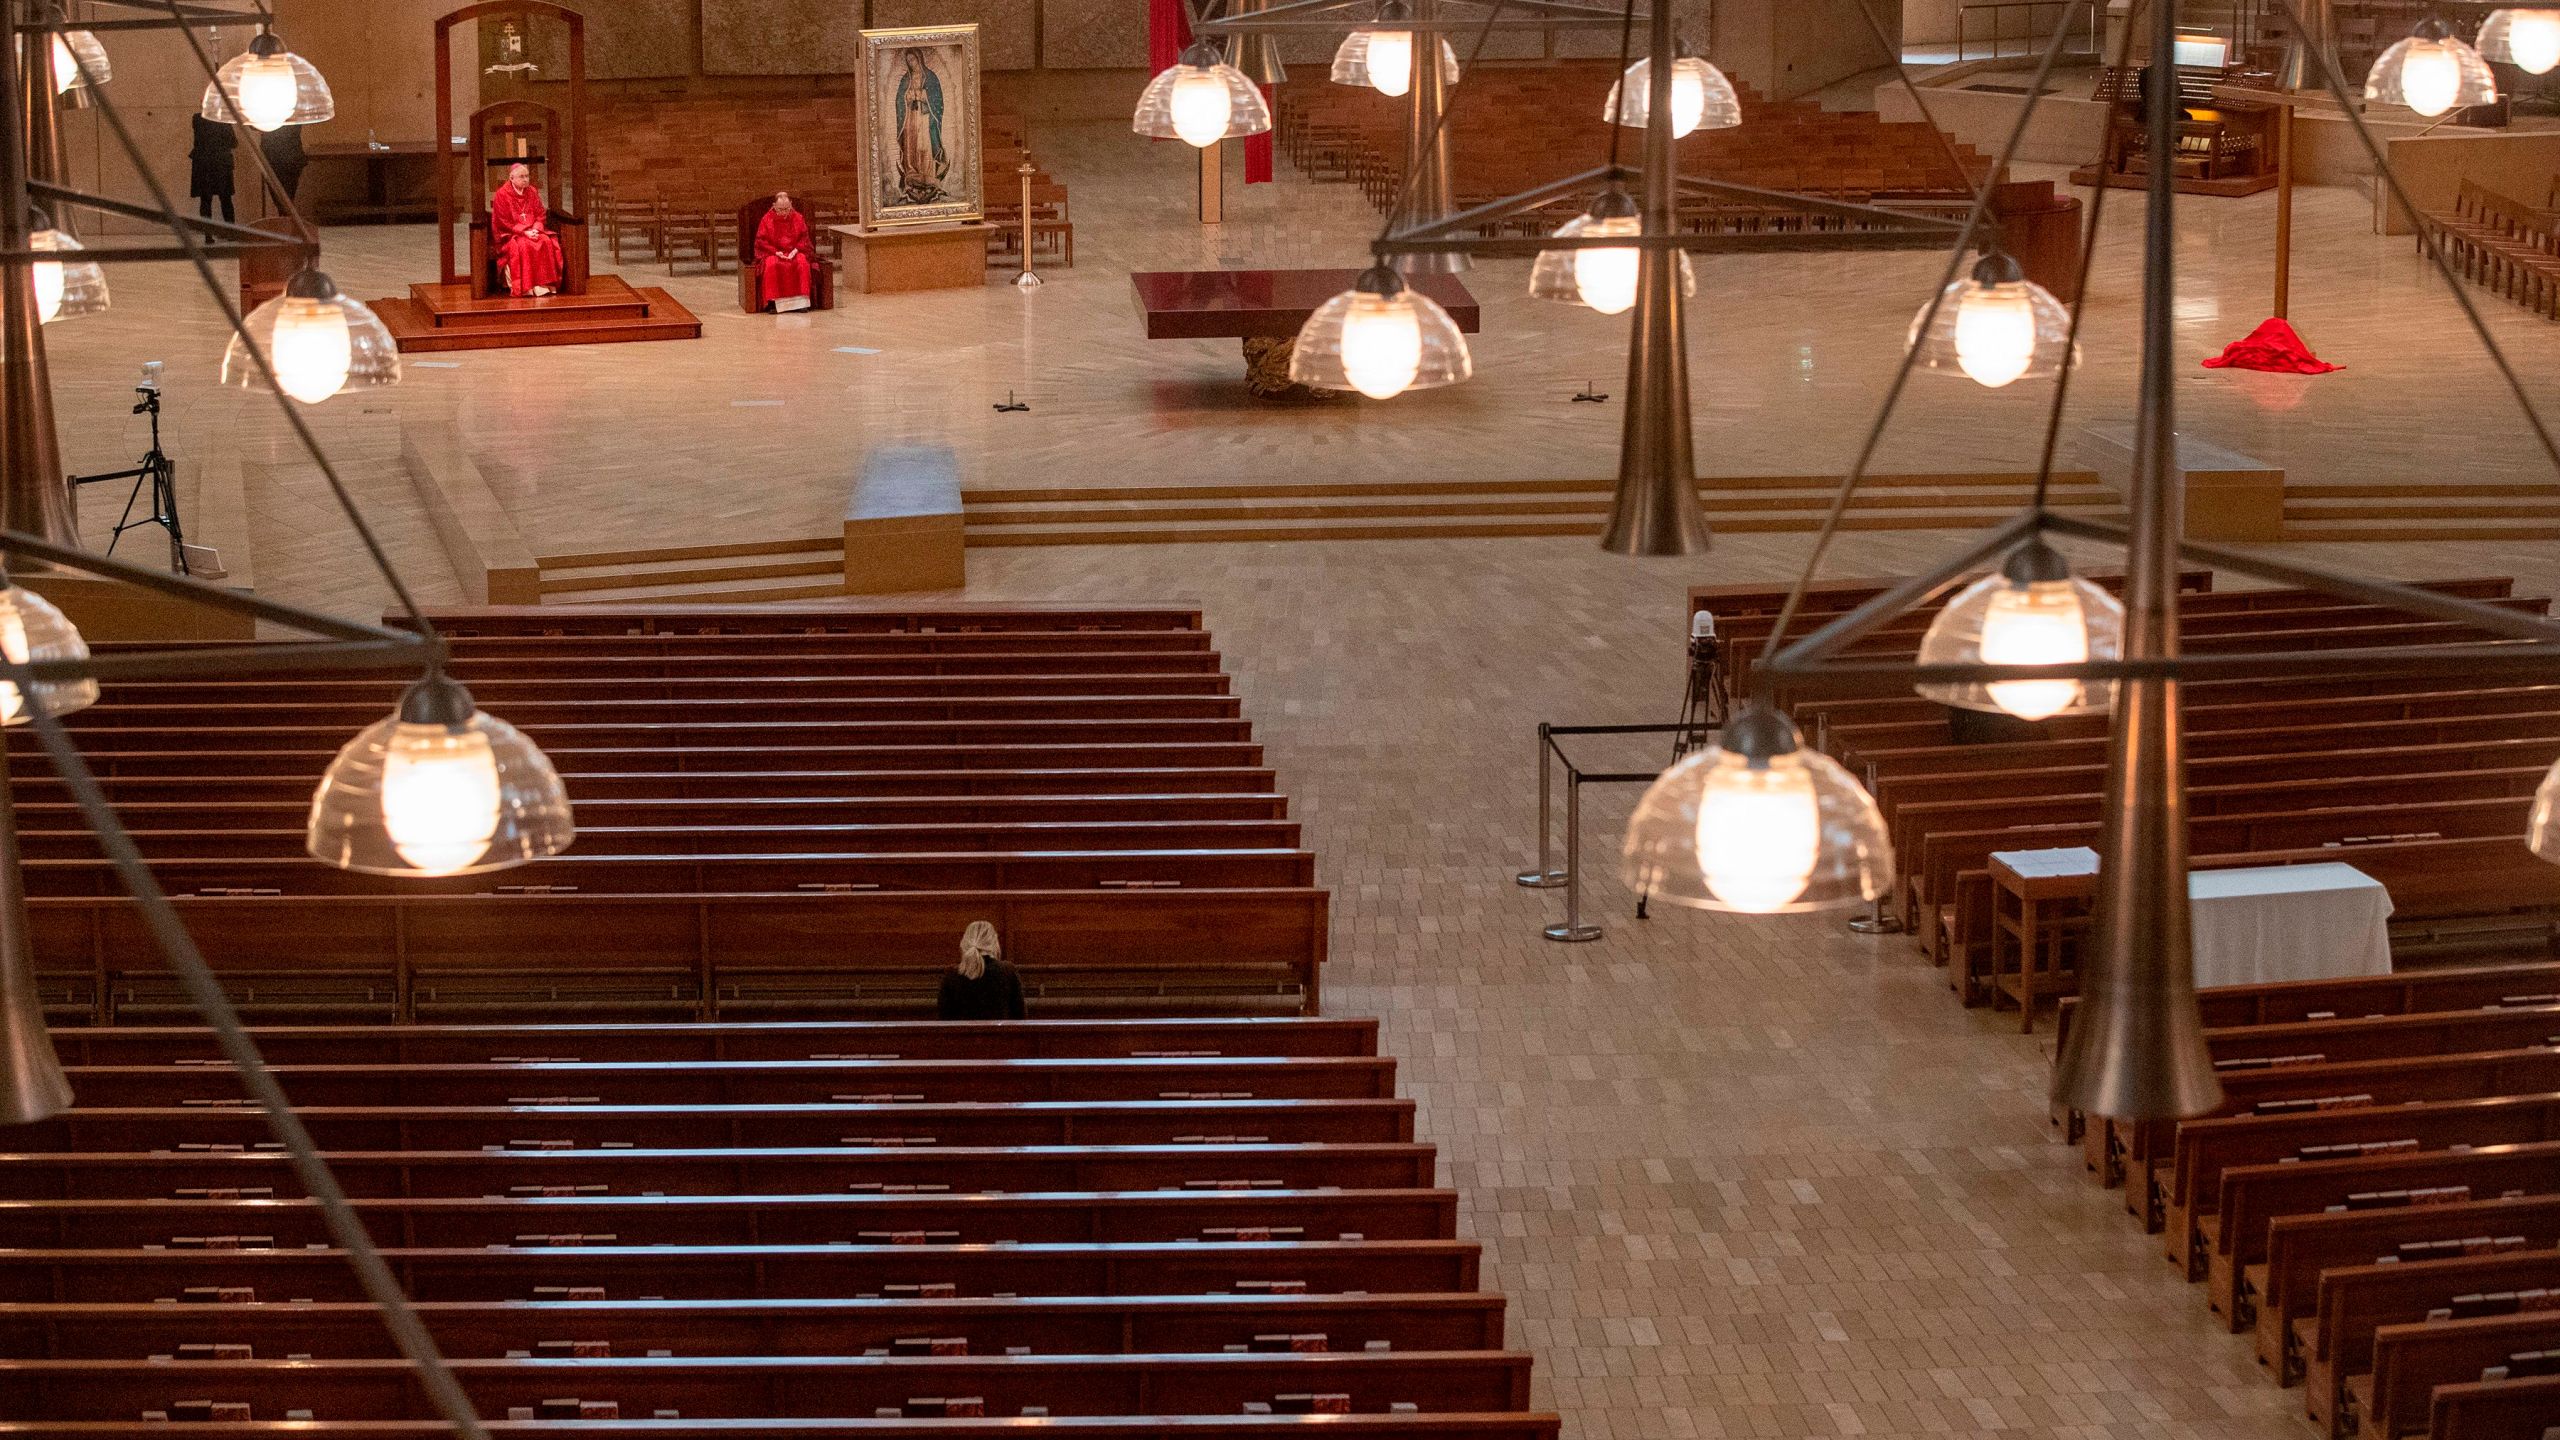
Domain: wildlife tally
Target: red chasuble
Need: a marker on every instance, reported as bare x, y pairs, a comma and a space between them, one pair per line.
528, 253
782, 255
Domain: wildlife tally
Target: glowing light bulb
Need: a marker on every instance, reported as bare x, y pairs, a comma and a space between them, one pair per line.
2533, 40
439, 796
1381, 345
1201, 107
50, 284
1391, 61
312, 351
1688, 97
266, 91
1606, 275
2039, 624
1759, 834
2430, 77
13, 643
66, 68
1995, 334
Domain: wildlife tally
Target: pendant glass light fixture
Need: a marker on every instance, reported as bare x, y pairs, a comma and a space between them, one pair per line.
2431, 72
1602, 277
2527, 39
79, 61
2033, 612
1701, 97
1200, 100
319, 342
1380, 53
69, 288
1994, 325
1557, 273
1757, 824
272, 86
32, 629
1381, 337
440, 788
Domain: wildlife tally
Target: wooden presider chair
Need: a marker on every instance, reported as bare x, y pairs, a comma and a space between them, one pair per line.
506, 119
822, 271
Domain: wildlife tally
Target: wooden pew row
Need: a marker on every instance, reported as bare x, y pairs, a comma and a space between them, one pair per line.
1040, 1325
715, 762
588, 1128
411, 956
751, 1272
534, 667
2234, 715
105, 737
1752, 629
712, 761
158, 822
1397, 1425
761, 1386
2252, 1195
674, 787
2356, 1301
427, 1174
2138, 1149
2300, 1248
761, 1082
2403, 992
2208, 1148
758, 714
737, 621
606, 874
2410, 1361
2502, 1410
2432, 730
502, 688
719, 839
885, 1220
902, 644
769, 1040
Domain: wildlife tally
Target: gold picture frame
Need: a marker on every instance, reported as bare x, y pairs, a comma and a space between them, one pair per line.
921, 162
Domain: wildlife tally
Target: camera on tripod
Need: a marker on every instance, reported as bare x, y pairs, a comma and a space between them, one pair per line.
160, 474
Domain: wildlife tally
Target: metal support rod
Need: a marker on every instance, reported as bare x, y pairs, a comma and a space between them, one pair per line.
1572, 931
2284, 211
1029, 279
35, 491
1426, 154
1656, 510
1546, 876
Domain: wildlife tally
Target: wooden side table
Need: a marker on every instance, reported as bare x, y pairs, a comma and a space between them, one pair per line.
2035, 896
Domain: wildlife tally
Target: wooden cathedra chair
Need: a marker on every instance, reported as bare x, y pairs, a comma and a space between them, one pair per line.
496, 131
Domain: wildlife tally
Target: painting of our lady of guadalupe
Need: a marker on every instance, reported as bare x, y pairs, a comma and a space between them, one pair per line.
920, 113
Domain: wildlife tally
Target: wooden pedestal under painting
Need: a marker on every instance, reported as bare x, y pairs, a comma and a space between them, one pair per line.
920, 156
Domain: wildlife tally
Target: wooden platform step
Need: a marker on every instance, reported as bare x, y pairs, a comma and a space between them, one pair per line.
755, 570
435, 318
1168, 514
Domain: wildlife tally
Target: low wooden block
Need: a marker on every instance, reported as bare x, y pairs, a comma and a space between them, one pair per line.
903, 528
920, 257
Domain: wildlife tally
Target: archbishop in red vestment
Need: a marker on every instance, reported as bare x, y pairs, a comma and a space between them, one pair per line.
782, 255
519, 229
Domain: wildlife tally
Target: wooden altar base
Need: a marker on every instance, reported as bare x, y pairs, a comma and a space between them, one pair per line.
445, 317
2230, 187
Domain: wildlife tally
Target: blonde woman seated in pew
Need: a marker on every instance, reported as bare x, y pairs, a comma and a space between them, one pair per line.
982, 986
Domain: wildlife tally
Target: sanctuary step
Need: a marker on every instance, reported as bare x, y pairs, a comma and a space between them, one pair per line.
438, 317
1481, 509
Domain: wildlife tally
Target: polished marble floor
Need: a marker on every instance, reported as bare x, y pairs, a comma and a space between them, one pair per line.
1740, 1177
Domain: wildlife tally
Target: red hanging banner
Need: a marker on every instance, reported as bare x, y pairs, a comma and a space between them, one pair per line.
1257, 151
1168, 33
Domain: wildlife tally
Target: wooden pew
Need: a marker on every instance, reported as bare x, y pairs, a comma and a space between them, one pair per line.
760, 1082
624, 822
1395, 1426
765, 1385
1061, 1217
179, 849
2496, 1410
1205, 1036
1114, 1325
642, 786
676, 1127
1031, 753
2410, 1361
2356, 1301
2299, 1247
742, 621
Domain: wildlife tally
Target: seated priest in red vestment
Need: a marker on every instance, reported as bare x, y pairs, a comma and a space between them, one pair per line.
782, 256
520, 232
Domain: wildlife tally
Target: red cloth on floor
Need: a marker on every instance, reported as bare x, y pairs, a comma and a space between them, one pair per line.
1257, 150
2271, 347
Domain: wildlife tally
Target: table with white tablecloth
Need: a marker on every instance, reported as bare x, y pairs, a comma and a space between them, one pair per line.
2251, 924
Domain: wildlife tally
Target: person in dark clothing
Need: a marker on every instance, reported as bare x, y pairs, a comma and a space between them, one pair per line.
283, 146
210, 166
982, 986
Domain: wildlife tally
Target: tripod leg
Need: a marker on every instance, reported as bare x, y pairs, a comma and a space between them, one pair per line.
164, 507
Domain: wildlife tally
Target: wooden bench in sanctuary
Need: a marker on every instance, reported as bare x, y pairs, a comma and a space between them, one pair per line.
651, 1133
